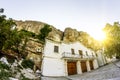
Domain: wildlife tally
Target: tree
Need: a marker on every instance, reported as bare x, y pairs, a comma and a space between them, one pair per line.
44, 32
25, 35
10, 38
112, 42
5, 32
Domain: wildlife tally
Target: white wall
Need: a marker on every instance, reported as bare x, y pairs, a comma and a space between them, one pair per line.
49, 50
53, 67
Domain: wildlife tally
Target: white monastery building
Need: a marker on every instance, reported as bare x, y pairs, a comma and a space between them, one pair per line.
63, 59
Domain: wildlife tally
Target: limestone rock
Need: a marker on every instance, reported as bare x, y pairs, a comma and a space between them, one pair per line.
32, 26
55, 34
34, 46
35, 26
70, 35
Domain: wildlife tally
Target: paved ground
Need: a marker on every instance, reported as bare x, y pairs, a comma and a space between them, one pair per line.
108, 72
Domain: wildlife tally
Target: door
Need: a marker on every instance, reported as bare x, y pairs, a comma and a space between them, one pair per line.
83, 66
72, 68
91, 64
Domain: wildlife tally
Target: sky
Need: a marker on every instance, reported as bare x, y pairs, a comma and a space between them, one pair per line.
90, 16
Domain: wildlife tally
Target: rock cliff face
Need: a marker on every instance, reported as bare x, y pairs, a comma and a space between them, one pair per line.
72, 35
35, 26
55, 34
69, 34
32, 26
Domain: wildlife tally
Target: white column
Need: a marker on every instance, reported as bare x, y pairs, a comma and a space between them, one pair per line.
65, 68
79, 70
95, 64
88, 65
104, 59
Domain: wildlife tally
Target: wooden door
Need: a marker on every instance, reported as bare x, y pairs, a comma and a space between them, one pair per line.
83, 66
72, 68
91, 64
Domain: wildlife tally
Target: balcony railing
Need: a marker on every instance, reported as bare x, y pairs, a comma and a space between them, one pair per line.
70, 55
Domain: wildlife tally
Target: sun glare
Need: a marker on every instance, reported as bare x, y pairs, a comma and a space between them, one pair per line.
99, 35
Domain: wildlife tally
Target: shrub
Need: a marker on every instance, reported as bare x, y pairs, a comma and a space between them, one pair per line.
4, 75
4, 66
27, 64
11, 61
24, 78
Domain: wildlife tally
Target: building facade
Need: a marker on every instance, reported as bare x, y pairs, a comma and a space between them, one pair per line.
63, 59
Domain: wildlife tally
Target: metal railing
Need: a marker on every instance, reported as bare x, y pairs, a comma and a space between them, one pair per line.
70, 55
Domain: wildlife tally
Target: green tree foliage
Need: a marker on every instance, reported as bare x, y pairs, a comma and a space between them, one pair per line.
4, 66
25, 35
112, 42
44, 32
6, 34
4, 75
4, 71
10, 37
27, 64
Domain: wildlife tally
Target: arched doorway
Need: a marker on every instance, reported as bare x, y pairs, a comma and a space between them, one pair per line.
83, 66
72, 68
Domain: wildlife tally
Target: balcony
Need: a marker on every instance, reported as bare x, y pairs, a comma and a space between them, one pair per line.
76, 56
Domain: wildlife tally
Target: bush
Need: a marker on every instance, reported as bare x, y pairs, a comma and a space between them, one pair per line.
4, 66
24, 78
11, 61
27, 64
4, 75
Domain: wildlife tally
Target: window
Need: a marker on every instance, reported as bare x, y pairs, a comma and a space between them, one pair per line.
96, 55
92, 54
56, 49
80, 53
86, 53
72, 50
